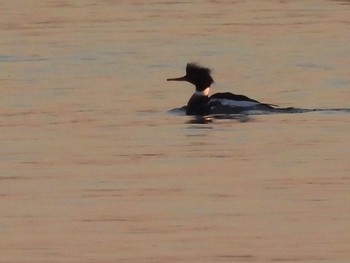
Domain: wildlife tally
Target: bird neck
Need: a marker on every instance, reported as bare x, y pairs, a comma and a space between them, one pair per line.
204, 92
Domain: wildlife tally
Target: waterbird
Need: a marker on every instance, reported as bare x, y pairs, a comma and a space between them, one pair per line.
201, 104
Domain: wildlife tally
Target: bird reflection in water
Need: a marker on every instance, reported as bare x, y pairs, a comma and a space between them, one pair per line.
212, 118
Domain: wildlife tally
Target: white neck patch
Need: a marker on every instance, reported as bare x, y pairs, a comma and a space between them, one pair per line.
202, 93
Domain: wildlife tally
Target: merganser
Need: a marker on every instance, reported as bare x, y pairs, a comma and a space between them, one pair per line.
219, 103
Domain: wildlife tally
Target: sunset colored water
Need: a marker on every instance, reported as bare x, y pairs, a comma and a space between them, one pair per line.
94, 167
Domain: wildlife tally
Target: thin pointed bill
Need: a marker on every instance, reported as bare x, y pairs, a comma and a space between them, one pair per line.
184, 78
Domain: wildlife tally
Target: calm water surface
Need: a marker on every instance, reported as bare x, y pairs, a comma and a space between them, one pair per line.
93, 168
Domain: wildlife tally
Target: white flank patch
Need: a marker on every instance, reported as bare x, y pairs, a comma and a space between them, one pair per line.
202, 93
234, 103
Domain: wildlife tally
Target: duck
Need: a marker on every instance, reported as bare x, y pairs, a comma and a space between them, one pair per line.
201, 104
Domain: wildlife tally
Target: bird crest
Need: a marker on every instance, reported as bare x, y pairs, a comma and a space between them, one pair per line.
198, 75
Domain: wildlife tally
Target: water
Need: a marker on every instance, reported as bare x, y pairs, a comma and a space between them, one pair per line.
93, 167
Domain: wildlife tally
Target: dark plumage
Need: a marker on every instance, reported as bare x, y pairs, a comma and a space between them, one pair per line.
220, 103
197, 75
230, 96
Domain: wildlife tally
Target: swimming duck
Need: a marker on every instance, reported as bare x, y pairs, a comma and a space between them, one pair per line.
202, 104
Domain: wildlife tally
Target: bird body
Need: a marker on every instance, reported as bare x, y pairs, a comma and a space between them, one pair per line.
202, 104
